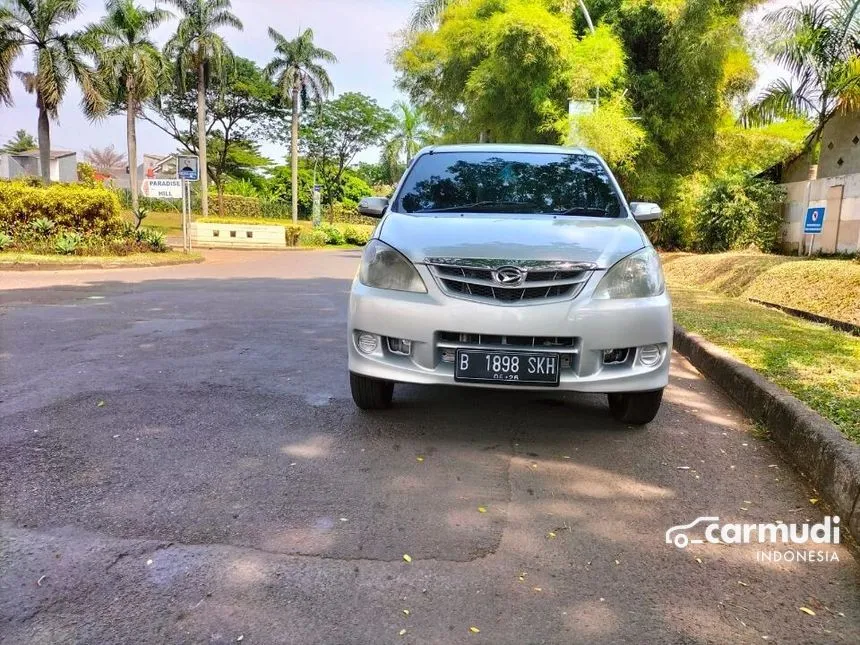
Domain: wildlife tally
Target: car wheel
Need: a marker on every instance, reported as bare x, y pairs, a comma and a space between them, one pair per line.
637, 408
370, 393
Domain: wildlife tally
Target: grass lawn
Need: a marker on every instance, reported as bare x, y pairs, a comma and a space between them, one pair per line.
168, 222
16, 259
820, 366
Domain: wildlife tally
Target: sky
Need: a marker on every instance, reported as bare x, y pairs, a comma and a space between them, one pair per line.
359, 32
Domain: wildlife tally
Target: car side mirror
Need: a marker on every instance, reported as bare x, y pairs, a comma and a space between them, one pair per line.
645, 211
373, 206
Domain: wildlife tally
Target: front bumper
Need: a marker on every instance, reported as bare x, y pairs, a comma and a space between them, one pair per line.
596, 325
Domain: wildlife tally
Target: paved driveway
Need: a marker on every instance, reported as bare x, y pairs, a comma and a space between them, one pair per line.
180, 461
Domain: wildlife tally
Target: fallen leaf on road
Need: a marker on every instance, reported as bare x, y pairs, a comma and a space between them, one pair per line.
537, 588
240, 638
682, 467
550, 535
39, 581
474, 630
482, 509
419, 459
148, 562
807, 610
813, 500
742, 584
617, 562
402, 632
100, 404
407, 557
344, 519
699, 560
406, 612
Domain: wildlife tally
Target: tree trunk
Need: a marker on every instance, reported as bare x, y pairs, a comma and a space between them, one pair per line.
44, 133
294, 155
201, 137
131, 140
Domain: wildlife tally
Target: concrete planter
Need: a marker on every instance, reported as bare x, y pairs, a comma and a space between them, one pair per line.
237, 236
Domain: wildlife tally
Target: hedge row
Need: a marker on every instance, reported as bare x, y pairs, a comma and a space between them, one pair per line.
348, 214
70, 207
829, 288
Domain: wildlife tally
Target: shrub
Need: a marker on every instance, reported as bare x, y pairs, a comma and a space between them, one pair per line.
155, 239
277, 210
314, 237
292, 234
87, 174
5, 241
739, 212
69, 206
332, 234
348, 214
355, 236
42, 226
235, 206
149, 203
68, 243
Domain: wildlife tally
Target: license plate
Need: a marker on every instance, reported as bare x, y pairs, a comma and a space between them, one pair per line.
512, 368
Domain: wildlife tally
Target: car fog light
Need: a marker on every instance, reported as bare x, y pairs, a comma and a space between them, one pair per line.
400, 346
649, 355
613, 356
448, 355
367, 343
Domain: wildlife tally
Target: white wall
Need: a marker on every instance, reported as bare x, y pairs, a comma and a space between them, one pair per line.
841, 196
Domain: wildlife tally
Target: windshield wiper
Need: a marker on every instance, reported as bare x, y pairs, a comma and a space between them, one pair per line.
479, 205
582, 210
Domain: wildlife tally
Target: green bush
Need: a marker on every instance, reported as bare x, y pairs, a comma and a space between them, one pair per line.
69, 206
332, 234
355, 236
87, 174
277, 210
292, 234
149, 203
348, 214
235, 206
42, 226
314, 237
5, 241
155, 239
739, 212
68, 243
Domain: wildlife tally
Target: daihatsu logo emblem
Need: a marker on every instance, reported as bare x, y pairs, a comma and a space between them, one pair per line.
508, 276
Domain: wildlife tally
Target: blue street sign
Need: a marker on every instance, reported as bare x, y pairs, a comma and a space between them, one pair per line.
814, 222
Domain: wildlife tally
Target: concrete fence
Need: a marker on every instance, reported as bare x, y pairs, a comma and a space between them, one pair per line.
237, 236
841, 196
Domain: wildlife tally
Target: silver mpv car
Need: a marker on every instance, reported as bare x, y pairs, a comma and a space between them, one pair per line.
511, 266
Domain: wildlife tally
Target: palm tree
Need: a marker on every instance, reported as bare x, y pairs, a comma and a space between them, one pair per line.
130, 64
300, 78
58, 56
818, 44
196, 47
427, 13
410, 135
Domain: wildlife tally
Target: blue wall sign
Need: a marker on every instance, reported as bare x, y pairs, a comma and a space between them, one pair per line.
814, 222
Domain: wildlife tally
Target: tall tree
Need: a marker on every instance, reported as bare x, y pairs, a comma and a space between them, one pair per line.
58, 56
300, 76
197, 47
819, 44
242, 104
339, 130
130, 65
104, 159
21, 142
411, 133
427, 13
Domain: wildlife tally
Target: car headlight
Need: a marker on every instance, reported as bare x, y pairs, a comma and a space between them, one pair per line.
637, 276
384, 267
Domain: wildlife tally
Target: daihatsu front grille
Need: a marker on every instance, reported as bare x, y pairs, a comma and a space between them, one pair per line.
509, 282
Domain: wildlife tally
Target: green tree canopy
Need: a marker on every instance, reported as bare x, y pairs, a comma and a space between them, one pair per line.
333, 135
21, 142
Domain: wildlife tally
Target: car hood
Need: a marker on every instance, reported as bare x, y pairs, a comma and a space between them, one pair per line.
512, 237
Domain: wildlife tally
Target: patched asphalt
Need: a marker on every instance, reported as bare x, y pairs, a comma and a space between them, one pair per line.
180, 461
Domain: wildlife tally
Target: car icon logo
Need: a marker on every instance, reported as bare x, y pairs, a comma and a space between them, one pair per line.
508, 276
677, 535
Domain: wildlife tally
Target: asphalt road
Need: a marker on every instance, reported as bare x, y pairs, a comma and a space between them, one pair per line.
180, 461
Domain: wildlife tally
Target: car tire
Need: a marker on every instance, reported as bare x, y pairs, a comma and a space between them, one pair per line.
636, 408
370, 393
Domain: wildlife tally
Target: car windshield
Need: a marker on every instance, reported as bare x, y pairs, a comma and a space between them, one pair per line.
509, 182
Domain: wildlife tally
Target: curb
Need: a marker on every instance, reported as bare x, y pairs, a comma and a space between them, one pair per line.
58, 266
812, 443
840, 325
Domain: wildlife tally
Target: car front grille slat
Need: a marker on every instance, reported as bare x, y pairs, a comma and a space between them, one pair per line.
460, 340
475, 279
